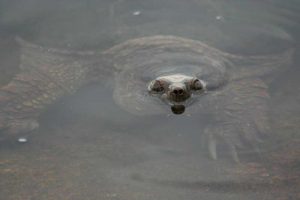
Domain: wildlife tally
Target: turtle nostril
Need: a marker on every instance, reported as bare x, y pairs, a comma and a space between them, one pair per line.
178, 91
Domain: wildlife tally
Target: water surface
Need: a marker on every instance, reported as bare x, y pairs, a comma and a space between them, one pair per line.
89, 148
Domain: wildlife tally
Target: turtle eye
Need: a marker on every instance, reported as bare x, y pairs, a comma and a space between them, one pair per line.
197, 85
157, 86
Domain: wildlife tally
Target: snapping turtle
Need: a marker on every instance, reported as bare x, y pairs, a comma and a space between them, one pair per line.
151, 75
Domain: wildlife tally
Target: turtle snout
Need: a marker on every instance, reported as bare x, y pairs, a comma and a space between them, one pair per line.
178, 94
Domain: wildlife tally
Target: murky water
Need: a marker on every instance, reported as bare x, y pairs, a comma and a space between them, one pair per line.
87, 147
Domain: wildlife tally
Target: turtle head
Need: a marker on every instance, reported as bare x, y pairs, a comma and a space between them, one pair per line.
176, 90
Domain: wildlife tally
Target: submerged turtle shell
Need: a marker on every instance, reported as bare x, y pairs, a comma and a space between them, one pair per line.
141, 60
47, 74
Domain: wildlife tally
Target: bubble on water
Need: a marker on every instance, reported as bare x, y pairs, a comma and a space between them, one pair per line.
22, 140
136, 13
219, 17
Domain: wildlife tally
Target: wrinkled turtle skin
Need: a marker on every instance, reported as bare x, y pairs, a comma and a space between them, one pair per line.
45, 76
233, 90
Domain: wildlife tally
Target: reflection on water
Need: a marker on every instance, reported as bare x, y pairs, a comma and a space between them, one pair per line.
89, 148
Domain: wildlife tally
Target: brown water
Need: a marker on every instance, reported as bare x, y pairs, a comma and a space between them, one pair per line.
89, 148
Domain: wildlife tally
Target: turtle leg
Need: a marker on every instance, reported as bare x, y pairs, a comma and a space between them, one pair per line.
241, 118
45, 76
21, 127
213, 137
21, 103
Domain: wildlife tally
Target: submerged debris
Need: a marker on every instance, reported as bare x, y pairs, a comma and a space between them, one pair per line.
136, 13
22, 140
